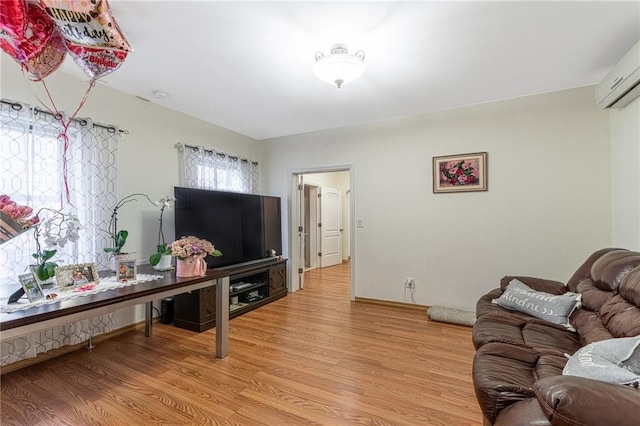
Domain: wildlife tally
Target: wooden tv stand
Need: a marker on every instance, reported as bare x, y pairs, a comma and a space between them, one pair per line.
254, 284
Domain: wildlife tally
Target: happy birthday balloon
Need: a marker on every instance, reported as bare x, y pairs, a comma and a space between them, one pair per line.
96, 62
86, 23
13, 18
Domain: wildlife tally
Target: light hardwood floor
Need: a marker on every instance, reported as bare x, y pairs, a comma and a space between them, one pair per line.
313, 357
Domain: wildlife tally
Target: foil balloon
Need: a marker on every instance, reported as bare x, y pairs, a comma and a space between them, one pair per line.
38, 33
96, 62
86, 23
48, 60
42, 50
13, 18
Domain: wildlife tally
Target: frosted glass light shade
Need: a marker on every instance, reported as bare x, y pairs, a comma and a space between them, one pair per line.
340, 67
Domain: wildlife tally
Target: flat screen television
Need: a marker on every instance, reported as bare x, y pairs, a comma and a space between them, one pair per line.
244, 227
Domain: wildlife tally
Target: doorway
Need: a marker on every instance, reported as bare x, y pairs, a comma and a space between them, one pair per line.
326, 221
321, 222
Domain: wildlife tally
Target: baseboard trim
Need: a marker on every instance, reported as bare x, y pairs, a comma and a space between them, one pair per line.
389, 303
45, 356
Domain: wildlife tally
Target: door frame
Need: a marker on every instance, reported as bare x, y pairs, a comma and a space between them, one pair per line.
294, 212
312, 211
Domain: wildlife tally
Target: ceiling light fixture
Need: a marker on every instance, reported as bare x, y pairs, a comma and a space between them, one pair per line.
340, 67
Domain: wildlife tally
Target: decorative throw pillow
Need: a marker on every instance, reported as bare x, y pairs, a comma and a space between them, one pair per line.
613, 361
553, 308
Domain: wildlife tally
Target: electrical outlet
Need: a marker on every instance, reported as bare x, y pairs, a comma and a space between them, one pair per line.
410, 283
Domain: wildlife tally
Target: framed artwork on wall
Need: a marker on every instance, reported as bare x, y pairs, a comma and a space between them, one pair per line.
460, 173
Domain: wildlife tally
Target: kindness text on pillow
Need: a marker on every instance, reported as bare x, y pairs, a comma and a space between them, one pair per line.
512, 297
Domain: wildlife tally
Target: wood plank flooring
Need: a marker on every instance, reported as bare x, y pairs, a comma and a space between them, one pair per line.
312, 358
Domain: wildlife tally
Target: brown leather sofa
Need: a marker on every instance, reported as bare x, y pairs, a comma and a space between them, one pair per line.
517, 369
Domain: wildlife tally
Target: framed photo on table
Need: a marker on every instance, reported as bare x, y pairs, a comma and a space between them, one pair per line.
126, 270
460, 173
31, 287
71, 276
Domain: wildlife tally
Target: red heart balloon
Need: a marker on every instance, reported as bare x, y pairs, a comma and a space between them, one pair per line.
38, 33
13, 17
48, 60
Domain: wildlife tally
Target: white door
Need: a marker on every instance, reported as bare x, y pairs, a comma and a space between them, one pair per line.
330, 227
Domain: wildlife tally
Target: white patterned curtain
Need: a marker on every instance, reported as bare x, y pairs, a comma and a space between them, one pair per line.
32, 174
31, 160
210, 169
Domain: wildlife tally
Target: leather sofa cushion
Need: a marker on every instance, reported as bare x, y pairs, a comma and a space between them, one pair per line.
524, 413
608, 271
630, 287
539, 335
504, 374
593, 297
620, 317
576, 401
584, 271
589, 327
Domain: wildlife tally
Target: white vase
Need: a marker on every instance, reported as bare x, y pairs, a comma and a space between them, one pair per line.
164, 264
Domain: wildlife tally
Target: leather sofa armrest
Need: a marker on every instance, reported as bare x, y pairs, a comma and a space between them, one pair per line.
537, 284
568, 400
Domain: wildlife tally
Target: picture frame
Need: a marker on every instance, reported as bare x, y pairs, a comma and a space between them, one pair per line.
460, 173
31, 287
69, 277
126, 270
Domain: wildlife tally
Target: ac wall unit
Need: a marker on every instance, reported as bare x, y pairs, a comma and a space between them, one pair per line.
621, 85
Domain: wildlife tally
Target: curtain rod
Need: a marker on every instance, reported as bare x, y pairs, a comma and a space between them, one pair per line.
18, 106
181, 146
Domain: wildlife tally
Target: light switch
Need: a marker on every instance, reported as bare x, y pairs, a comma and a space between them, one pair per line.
359, 223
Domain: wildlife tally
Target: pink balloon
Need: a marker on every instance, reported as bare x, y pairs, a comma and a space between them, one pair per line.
13, 18
88, 23
96, 62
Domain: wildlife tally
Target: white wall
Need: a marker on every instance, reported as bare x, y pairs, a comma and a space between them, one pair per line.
147, 159
547, 208
625, 175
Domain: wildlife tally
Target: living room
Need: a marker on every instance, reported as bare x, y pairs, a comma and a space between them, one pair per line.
563, 179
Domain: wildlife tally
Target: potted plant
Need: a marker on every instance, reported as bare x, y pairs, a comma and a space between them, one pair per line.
55, 232
190, 252
119, 237
161, 259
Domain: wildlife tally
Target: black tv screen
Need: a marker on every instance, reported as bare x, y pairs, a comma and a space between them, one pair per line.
244, 227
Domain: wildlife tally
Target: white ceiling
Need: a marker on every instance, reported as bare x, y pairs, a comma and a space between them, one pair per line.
247, 66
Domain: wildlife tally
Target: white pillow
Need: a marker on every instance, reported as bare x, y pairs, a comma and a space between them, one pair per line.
553, 308
613, 361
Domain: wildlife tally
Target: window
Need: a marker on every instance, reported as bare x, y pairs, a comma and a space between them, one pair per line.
209, 169
33, 165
